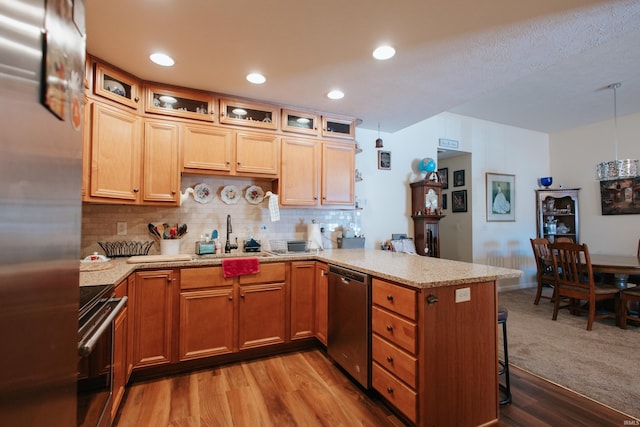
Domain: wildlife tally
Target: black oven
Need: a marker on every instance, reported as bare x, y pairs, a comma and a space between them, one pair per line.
98, 309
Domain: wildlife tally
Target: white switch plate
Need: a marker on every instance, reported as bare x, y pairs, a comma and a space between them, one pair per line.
122, 228
463, 295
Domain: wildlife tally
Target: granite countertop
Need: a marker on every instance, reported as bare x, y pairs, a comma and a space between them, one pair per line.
412, 270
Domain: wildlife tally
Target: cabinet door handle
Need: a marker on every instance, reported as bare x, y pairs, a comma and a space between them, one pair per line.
390, 328
389, 297
389, 359
390, 390
241, 295
432, 299
136, 99
230, 298
135, 190
173, 192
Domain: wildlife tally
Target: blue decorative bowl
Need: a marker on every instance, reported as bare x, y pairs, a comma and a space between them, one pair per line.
546, 181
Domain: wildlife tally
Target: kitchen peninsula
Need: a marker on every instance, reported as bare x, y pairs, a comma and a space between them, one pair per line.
433, 326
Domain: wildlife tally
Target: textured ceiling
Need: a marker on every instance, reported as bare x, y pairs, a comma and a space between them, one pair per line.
538, 65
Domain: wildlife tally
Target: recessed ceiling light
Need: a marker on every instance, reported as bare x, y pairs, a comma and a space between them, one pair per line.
256, 78
162, 59
384, 52
335, 94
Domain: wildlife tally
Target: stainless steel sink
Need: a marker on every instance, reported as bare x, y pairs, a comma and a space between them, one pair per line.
232, 255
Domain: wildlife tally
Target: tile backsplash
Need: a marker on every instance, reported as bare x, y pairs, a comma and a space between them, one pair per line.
100, 221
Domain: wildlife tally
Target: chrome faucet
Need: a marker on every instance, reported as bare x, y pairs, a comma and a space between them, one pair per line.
228, 245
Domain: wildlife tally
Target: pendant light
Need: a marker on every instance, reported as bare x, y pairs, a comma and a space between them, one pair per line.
617, 169
379, 140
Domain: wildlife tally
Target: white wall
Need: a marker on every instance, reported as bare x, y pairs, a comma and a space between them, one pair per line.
574, 154
494, 147
457, 227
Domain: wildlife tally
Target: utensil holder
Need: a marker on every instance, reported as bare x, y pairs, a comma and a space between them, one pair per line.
170, 247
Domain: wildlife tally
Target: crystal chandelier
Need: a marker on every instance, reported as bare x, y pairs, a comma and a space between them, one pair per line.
617, 169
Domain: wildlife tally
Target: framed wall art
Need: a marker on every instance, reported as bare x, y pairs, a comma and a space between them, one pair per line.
620, 196
458, 178
459, 201
384, 160
501, 196
444, 177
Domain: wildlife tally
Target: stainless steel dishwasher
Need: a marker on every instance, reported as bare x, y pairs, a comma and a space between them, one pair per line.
349, 334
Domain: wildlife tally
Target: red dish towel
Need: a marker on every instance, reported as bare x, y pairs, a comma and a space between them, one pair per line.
239, 266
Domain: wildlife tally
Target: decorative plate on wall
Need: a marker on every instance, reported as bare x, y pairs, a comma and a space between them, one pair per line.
230, 194
202, 193
254, 195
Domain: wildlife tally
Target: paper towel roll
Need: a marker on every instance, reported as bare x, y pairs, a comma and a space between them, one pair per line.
314, 236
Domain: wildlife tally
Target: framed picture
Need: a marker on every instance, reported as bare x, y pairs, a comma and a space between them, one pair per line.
444, 201
458, 178
617, 196
384, 159
501, 196
459, 201
444, 177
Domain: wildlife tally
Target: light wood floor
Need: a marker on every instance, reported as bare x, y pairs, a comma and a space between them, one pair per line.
306, 389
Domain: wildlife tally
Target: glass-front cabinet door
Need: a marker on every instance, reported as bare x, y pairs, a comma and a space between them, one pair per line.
248, 114
558, 214
300, 122
117, 86
338, 127
186, 103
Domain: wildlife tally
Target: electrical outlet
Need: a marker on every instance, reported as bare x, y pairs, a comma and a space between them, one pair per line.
463, 295
121, 228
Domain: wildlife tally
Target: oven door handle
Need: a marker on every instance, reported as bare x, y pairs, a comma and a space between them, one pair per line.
85, 347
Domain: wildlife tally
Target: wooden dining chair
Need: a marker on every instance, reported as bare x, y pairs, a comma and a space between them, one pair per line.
574, 280
544, 266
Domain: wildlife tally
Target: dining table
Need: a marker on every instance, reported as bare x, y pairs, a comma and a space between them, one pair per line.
619, 266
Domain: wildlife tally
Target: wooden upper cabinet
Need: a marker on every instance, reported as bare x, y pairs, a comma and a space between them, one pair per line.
338, 174
236, 112
257, 153
338, 127
206, 148
300, 122
117, 86
299, 172
178, 102
161, 171
114, 155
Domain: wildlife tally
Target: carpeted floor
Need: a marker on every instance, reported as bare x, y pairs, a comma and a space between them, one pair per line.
603, 364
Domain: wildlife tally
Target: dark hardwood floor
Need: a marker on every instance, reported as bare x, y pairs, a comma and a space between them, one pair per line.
305, 389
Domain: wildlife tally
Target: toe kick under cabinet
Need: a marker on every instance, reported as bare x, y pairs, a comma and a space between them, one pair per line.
434, 352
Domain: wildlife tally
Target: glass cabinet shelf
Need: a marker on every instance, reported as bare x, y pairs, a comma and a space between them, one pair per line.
248, 114
116, 86
189, 104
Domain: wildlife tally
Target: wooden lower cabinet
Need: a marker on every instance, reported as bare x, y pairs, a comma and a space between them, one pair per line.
206, 323
435, 359
261, 315
303, 275
121, 358
322, 302
154, 294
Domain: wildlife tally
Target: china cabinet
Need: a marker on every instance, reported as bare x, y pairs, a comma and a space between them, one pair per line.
116, 86
235, 112
426, 211
185, 103
558, 213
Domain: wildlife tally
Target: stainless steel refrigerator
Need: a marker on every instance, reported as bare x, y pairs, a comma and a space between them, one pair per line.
40, 209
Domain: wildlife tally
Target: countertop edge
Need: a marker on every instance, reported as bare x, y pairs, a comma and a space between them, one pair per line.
399, 268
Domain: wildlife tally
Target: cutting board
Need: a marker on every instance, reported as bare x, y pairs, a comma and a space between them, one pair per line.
158, 258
